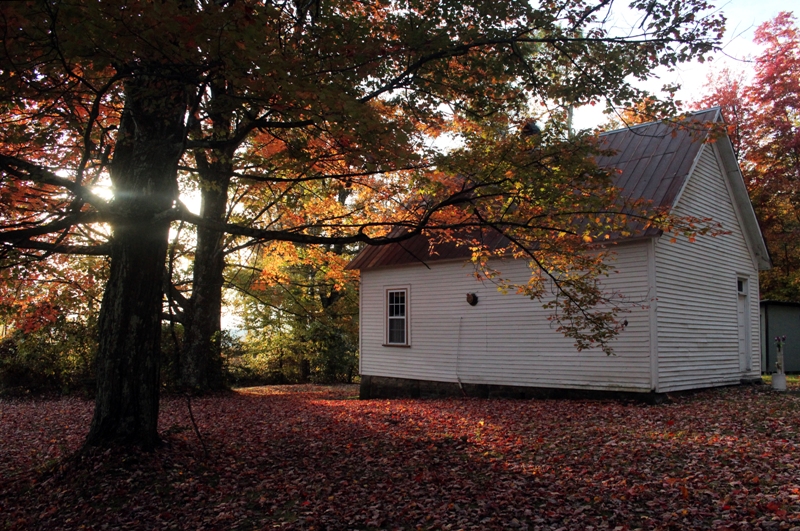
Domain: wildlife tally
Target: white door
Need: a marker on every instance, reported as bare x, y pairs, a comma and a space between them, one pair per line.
744, 326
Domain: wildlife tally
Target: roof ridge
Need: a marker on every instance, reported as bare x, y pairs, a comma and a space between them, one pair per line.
716, 108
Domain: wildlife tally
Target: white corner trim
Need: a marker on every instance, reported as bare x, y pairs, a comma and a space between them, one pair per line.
360, 323
653, 313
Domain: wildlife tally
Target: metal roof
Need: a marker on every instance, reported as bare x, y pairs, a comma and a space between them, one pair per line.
418, 249
653, 159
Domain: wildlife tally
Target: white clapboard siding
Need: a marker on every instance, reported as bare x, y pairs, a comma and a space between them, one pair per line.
697, 290
505, 339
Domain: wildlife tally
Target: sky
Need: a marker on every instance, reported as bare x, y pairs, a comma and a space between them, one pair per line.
743, 17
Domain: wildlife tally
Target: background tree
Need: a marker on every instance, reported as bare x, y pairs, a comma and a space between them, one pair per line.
299, 308
351, 92
48, 323
301, 304
763, 118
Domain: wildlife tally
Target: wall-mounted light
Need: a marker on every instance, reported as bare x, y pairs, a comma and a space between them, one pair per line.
472, 299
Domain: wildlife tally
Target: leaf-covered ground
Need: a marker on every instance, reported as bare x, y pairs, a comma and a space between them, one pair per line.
317, 458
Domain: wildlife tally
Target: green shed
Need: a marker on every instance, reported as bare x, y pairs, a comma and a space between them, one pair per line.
780, 318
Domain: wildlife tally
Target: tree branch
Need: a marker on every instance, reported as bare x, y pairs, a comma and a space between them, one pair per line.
14, 236
89, 250
22, 169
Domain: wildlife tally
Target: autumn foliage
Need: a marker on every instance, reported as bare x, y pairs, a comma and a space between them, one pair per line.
314, 458
299, 308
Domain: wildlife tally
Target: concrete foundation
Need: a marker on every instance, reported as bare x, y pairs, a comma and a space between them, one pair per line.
385, 387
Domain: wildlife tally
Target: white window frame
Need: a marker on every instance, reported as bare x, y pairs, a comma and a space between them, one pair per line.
406, 317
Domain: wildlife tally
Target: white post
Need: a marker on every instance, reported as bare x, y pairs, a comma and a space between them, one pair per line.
779, 378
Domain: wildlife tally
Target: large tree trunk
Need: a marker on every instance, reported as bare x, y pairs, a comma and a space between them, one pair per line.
201, 355
144, 175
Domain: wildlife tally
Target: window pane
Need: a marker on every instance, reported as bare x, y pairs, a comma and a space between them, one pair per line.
397, 304
397, 331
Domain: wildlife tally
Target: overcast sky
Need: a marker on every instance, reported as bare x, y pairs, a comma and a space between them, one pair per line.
743, 17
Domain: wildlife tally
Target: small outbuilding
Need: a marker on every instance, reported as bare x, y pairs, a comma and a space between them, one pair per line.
780, 319
428, 327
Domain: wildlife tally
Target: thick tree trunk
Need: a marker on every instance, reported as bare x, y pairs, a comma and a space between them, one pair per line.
201, 355
144, 176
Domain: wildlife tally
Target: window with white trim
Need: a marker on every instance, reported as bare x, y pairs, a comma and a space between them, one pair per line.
397, 317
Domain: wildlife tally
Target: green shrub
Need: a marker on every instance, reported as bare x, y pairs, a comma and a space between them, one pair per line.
56, 358
315, 353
